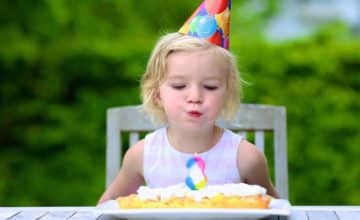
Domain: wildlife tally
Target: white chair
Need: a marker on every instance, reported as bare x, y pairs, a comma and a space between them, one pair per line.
251, 118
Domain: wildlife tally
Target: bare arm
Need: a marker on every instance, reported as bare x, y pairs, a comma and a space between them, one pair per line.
130, 176
253, 167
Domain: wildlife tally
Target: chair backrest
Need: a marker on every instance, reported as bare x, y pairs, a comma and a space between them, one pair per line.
254, 118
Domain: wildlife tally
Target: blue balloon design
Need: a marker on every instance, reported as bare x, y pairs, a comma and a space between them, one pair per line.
206, 26
194, 23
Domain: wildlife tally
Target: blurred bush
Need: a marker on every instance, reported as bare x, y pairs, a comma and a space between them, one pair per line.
318, 80
63, 63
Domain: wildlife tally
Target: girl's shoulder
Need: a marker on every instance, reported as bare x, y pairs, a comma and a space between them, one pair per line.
253, 166
249, 157
135, 153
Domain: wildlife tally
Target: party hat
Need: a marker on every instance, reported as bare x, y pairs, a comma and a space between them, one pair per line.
211, 21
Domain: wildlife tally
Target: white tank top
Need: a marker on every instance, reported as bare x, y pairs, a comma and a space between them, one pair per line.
165, 166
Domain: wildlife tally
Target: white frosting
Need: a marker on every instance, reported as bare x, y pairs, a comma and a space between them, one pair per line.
181, 190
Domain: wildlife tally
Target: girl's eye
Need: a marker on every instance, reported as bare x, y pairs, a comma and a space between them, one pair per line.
210, 87
178, 87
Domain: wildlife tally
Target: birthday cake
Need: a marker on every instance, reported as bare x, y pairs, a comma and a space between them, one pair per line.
195, 193
239, 195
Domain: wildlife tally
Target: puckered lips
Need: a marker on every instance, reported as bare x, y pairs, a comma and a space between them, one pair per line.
194, 114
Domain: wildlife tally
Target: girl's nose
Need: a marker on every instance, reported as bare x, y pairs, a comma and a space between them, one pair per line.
194, 95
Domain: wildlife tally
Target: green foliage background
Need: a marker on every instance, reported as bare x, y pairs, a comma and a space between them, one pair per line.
63, 63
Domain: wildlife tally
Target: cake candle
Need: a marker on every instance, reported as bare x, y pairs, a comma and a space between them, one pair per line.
196, 178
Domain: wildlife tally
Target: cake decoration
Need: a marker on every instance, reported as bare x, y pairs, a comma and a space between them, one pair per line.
196, 178
236, 195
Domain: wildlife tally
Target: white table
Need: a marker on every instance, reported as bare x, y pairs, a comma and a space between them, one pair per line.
80, 213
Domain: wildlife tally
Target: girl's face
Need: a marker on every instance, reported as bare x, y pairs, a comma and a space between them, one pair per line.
194, 89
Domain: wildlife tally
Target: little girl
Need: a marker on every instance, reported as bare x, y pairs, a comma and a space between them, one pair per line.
187, 85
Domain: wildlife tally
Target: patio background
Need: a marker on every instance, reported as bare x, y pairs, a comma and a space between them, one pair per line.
63, 63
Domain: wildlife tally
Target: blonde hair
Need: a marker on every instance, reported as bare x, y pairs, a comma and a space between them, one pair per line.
157, 66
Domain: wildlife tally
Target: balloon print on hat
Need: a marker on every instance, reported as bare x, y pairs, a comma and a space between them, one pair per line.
210, 21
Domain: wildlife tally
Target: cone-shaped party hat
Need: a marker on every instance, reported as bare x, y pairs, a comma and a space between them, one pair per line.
211, 21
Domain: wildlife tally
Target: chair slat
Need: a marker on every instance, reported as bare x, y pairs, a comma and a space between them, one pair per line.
134, 138
260, 140
243, 134
113, 146
280, 153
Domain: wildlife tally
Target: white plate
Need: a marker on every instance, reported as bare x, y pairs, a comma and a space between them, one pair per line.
277, 207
